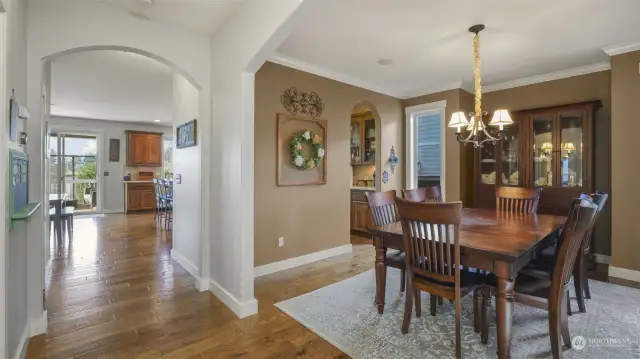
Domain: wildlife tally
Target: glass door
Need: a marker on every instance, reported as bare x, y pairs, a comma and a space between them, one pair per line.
510, 157
73, 170
543, 151
571, 166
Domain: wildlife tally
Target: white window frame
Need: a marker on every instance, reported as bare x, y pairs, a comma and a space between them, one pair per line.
411, 114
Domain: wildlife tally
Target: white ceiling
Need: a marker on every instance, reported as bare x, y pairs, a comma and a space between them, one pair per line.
203, 16
112, 85
432, 49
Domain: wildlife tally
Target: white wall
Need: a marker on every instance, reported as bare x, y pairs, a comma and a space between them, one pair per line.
63, 25
187, 194
237, 52
15, 245
111, 187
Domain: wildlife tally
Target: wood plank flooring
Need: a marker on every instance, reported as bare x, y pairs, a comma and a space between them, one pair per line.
114, 292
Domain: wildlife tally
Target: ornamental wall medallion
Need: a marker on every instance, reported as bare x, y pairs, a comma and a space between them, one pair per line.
302, 102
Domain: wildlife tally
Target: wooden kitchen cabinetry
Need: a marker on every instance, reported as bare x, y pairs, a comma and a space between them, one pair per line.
363, 139
361, 218
144, 149
139, 197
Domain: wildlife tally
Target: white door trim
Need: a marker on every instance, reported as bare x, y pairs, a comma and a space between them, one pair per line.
411, 113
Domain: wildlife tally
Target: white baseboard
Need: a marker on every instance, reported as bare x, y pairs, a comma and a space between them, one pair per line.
302, 260
624, 273
21, 350
602, 258
201, 283
113, 211
39, 325
242, 310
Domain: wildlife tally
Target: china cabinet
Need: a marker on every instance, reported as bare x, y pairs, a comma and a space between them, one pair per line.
551, 148
363, 139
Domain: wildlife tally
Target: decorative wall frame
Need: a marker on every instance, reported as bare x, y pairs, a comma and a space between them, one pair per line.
114, 150
306, 103
287, 174
187, 134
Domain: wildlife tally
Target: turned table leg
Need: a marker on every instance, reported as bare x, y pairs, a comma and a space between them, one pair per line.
381, 274
504, 316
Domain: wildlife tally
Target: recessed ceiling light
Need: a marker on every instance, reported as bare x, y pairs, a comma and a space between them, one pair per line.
156, 120
385, 62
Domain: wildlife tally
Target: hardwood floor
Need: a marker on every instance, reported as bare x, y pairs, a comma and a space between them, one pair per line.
115, 293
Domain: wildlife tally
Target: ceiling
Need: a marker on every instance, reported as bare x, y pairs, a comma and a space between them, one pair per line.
112, 85
431, 49
204, 16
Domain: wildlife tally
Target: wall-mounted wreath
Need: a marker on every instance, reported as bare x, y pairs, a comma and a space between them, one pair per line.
306, 137
302, 102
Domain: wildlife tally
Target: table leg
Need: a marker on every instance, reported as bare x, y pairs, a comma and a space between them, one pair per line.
58, 223
381, 274
504, 316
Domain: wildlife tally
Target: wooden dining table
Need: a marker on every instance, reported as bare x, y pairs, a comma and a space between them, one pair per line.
499, 242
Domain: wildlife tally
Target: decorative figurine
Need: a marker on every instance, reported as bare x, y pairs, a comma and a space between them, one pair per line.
393, 159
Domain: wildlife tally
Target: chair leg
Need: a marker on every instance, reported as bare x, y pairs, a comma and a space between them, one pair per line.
434, 302
477, 310
585, 279
486, 316
408, 308
564, 326
458, 334
69, 230
577, 282
418, 301
554, 331
568, 303
440, 301
403, 280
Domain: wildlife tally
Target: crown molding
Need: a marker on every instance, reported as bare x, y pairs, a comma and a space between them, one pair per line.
576, 71
294, 63
431, 90
621, 49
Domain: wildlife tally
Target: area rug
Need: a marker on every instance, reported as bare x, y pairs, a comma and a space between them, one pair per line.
345, 315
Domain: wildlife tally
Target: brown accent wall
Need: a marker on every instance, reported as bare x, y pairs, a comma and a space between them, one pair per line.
595, 86
625, 95
313, 218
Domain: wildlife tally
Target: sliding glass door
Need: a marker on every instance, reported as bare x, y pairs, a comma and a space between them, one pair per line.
73, 170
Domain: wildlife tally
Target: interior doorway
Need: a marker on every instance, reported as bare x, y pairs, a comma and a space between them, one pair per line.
73, 171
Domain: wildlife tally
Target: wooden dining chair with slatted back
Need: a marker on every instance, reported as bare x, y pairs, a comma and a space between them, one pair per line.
518, 200
425, 194
551, 293
581, 280
432, 246
383, 210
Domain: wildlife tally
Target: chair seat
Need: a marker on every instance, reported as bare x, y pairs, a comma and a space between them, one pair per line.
532, 285
468, 281
396, 260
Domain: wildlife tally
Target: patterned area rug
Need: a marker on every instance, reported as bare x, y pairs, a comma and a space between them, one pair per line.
345, 315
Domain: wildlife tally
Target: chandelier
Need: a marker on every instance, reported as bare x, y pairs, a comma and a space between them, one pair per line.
478, 134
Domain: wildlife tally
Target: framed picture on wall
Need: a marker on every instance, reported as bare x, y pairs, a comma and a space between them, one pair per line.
114, 150
186, 134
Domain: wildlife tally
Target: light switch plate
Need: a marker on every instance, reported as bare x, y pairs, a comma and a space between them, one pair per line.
178, 179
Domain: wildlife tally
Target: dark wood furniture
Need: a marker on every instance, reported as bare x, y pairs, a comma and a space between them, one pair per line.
360, 215
144, 148
516, 199
432, 246
431, 194
551, 292
382, 206
139, 196
551, 148
61, 216
363, 139
498, 242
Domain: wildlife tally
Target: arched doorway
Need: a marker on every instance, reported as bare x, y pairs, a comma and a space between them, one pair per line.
365, 144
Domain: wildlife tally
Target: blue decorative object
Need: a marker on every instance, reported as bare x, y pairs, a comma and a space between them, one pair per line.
19, 186
393, 159
385, 176
374, 178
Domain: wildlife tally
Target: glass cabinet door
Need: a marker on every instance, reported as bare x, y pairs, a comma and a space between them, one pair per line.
488, 161
369, 141
543, 151
509, 157
571, 172
356, 156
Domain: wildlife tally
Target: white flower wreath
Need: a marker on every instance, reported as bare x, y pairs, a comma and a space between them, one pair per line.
317, 151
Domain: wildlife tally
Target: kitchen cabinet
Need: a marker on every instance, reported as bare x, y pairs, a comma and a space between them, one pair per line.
550, 148
363, 139
361, 217
139, 196
144, 149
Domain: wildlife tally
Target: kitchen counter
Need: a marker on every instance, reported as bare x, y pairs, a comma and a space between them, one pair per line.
363, 188
139, 181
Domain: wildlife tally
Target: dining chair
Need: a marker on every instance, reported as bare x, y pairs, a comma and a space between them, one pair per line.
383, 211
158, 193
167, 186
432, 246
517, 199
551, 293
425, 194
581, 280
